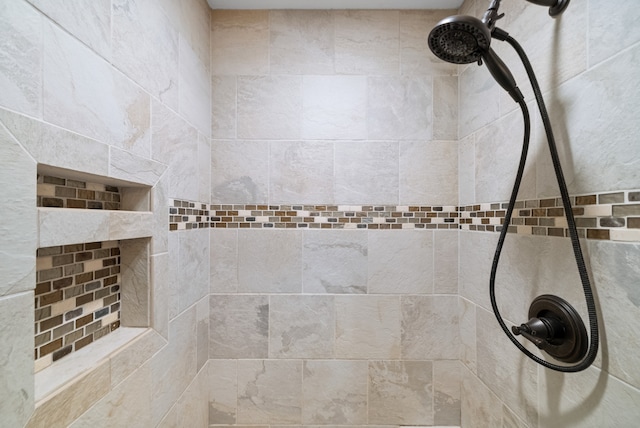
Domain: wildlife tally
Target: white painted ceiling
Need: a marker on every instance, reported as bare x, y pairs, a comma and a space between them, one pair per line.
335, 4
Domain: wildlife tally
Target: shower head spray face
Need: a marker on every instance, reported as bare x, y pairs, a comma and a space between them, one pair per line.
460, 39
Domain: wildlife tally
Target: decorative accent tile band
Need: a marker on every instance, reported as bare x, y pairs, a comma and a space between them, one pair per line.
58, 192
609, 216
77, 298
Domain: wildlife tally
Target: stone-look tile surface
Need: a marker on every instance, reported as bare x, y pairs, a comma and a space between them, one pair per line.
467, 170
57, 227
301, 326
430, 328
16, 358
610, 36
335, 262
239, 326
335, 392
368, 327
505, 369
204, 168
175, 143
607, 133
366, 172
415, 56
224, 261
134, 356
301, 42
19, 225
239, 42
21, 58
223, 391
127, 166
401, 392
223, 106
476, 253
334, 107
428, 172
159, 202
269, 261
202, 332
174, 367
145, 47
367, 42
88, 20
270, 107
467, 322
481, 100
57, 147
129, 225
300, 172
447, 377
479, 406
109, 411
269, 392
400, 262
194, 97
193, 283
135, 310
239, 171
399, 108
445, 108
445, 262
84, 94
195, 28
193, 407
160, 294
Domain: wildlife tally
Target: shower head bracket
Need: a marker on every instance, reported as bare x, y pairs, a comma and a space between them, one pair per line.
556, 7
555, 327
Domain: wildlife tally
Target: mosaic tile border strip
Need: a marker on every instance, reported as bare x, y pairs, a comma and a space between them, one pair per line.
611, 216
77, 298
58, 192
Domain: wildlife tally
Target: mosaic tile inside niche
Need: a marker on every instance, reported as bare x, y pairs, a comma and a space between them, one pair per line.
77, 298
58, 192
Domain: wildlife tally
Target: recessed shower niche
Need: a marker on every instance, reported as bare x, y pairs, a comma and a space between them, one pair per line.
93, 288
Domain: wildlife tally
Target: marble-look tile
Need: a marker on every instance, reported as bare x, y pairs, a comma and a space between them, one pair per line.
476, 254
611, 29
129, 225
447, 377
20, 222
223, 391
53, 146
334, 261
400, 107
193, 282
400, 392
174, 367
16, 358
175, 143
134, 356
367, 42
128, 404
498, 149
160, 294
88, 20
368, 327
202, 332
239, 172
159, 203
301, 42
269, 392
400, 262
239, 42
467, 171
223, 106
445, 262
239, 326
506, 371
72, 401
335, 392
597, 146
173, 261
334, 107
193, 405
195, 28
145, 47
480, 100
467, 322
269, 261
588, 399
614, 271
300, 172
445, 108
194, 97
480, 407
127, 166
224, 261
270, 107
301, 326
170, 419
136, 309
85, 94
366, 172
62, 227
429, 173
415, 56
204, 168
430, 329
21, 58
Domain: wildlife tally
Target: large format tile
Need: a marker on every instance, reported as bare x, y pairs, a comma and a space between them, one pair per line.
239, 172
224, 261
239, 42
223, 391
194, 98
430, 329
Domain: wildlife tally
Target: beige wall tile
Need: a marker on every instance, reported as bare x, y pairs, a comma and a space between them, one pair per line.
239, 42
430, 328
223, 391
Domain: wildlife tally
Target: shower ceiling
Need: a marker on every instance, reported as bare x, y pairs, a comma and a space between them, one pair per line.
335, 4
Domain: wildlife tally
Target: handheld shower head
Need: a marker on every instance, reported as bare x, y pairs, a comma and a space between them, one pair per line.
460, 39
